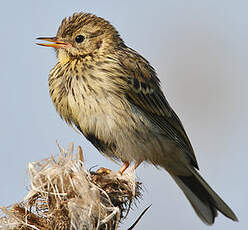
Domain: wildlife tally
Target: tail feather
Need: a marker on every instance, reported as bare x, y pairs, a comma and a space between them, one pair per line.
203, 198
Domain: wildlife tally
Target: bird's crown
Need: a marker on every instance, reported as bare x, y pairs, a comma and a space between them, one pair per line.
84, 21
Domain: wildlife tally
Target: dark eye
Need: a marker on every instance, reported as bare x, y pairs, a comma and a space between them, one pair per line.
80, 38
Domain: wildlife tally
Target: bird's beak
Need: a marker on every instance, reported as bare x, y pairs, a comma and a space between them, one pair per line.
57, 43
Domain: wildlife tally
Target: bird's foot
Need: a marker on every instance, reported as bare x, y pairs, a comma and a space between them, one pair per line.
103, 171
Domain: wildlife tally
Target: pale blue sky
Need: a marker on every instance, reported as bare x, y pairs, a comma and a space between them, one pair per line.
199, 49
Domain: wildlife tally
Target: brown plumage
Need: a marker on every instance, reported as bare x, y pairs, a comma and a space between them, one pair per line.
113, 96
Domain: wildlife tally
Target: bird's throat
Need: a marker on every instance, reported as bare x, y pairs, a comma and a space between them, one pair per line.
63, 56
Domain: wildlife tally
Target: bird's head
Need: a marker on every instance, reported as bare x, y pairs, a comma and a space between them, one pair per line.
82, 35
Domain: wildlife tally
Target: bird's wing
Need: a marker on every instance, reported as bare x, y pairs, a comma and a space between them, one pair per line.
143, 90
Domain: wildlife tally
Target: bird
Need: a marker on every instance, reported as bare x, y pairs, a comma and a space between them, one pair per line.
112, 95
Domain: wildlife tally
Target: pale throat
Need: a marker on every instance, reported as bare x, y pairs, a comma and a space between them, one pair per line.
63, 56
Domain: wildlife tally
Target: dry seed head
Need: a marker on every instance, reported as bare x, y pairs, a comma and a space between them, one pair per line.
64, 195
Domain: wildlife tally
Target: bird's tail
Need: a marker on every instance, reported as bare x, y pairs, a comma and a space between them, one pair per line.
203, 198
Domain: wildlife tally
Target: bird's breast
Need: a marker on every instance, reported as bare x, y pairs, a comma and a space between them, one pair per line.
94, 110
93, 101
59, 92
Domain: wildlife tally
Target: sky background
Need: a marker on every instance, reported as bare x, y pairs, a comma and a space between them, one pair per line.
199, 49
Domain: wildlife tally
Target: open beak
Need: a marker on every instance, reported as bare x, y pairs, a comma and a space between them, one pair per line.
57, 43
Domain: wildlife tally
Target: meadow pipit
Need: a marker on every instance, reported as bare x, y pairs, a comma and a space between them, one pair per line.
113, 96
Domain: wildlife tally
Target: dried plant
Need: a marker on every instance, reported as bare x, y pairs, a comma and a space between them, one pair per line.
64, 195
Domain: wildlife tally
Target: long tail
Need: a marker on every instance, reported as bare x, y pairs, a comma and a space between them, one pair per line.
203, 198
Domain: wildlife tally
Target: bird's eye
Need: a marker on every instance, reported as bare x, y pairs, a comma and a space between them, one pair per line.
80, 38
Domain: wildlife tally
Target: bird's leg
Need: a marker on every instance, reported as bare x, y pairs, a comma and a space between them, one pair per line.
124, 167
136, 165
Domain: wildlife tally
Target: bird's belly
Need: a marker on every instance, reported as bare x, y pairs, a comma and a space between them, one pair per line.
99, 119
93, 116
122, 133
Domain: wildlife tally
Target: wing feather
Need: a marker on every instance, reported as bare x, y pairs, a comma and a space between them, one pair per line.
143, 90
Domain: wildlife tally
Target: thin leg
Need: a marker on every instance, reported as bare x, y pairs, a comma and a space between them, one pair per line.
124, 167
136, 165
